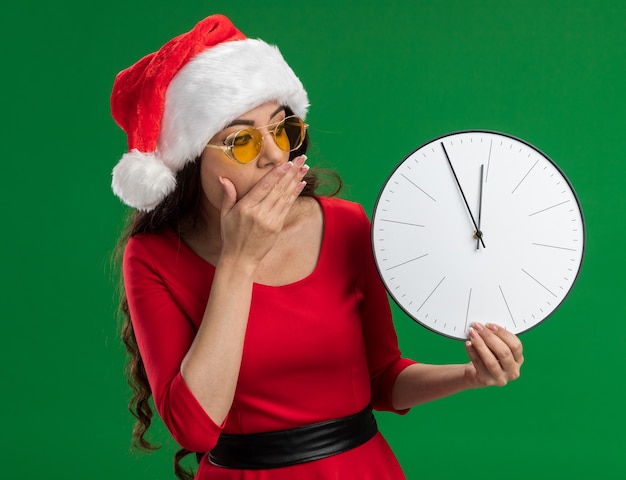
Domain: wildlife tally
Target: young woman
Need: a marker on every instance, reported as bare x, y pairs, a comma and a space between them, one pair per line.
255, 315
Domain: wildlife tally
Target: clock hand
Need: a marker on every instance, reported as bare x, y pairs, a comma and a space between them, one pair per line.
479, 233
463, 195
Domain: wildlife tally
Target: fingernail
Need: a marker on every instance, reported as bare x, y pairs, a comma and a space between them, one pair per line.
492, 326
286, 166
477, 326
299, 161
304, 169
301, 186
472, 332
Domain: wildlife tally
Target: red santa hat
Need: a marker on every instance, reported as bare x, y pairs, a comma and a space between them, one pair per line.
172, 102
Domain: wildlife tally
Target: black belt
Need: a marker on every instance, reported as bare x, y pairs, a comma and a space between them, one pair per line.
282, 448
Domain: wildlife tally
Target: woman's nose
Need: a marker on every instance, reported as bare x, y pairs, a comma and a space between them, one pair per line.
271, 153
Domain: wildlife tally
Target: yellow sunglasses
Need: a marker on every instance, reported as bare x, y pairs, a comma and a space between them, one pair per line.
244, 146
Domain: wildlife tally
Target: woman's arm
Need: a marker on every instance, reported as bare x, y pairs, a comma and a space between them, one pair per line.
496, 357
249, 230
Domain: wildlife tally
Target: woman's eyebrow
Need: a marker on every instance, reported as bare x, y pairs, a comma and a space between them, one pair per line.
277, 111
250, 122
240, 122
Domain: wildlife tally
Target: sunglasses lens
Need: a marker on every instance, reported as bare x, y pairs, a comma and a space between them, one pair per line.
246, 145
289, 134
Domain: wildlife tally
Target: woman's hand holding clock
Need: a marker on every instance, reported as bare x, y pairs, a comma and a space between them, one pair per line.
496, 356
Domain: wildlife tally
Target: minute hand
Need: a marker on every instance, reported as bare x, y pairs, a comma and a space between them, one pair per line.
458, 184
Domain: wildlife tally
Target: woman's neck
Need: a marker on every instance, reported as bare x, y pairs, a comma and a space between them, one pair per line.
300, 240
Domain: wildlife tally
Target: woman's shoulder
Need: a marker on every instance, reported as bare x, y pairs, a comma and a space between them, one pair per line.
343, 209
156, 247
152, 241
165, 256
345, 222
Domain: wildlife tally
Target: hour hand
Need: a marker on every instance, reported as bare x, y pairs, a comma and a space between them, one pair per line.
479, 233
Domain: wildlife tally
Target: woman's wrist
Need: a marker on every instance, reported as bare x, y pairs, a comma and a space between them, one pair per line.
240, 267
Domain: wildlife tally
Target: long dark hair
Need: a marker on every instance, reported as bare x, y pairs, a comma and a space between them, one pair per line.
181, 212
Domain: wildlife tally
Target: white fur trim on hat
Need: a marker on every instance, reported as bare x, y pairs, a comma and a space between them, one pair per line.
217, 86
142, 180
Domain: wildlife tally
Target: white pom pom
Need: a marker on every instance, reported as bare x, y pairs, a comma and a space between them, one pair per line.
141, 180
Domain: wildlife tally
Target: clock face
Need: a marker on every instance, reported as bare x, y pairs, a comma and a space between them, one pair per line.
478, 226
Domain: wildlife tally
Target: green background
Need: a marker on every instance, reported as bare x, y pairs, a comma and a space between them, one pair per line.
383, 78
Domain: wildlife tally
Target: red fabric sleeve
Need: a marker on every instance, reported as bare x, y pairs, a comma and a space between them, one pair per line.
164, 334
383, 355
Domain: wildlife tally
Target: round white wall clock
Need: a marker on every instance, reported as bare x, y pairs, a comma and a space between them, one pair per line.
478, 226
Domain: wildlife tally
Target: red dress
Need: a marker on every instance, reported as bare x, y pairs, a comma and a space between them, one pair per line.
316, 349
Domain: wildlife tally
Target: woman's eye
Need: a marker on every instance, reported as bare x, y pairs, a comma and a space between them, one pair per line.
242, 139
280, 129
